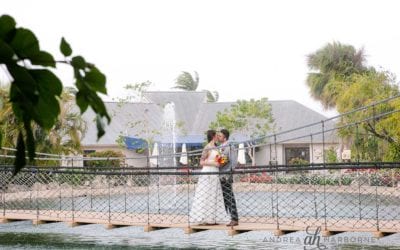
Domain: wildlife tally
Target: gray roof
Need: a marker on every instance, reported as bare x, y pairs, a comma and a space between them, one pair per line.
287, 114
195, 114
124, 121
187, 104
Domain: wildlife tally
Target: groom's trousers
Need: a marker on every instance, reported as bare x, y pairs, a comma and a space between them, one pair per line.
229, 197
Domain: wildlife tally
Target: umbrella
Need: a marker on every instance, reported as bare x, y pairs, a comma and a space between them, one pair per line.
184, 159
154, 155
241, 156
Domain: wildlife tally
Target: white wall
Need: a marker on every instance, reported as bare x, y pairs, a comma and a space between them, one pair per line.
263, 156
318, 149
267, 154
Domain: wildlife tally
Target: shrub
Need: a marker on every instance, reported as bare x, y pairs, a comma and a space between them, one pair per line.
331, 156
298, 162
106, 162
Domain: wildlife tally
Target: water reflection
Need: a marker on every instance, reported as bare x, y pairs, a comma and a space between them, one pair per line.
23, 235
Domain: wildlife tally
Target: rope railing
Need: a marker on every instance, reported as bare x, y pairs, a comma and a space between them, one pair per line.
353, 196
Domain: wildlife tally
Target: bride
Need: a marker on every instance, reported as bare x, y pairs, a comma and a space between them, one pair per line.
208, 205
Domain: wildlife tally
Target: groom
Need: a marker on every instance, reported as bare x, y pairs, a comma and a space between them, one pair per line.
226, 178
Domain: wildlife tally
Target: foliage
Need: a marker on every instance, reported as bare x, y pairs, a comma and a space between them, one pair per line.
393, 153
212, 96
188, 82
373, 134
383, 180
137, 90
185, 81
331, 156
315, 180
63, 138
8, 121
106, 162
298, 161
253, 119
250, 118
330, 66
35, 89
341, 79
143, 130
141, 126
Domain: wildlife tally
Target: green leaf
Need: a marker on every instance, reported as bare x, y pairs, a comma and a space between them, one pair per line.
65, 48
78, 62
7, 23
49, 87
20, 160
25, 43
25, 88
43, 58
96, 80
98, 105
100, 127
6, 53
81, 101
46, 111
47, 81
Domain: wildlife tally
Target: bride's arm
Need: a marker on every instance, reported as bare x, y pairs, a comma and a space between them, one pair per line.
204, 157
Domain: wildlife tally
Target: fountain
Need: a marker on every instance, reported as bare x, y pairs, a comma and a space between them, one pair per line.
168, 136
166, 159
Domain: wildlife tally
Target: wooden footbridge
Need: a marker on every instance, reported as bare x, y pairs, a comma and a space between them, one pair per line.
157, 222
160, 200
342, 196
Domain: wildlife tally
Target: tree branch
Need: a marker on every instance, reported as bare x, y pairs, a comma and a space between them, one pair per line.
384, 136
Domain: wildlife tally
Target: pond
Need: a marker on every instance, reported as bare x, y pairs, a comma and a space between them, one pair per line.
24, 235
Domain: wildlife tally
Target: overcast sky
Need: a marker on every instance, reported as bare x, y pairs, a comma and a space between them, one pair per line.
242, 49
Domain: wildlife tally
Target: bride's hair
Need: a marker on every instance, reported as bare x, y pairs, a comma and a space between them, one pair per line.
210, 134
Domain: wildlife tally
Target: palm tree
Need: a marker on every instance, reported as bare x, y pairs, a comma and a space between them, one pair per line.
188, 82
64, 137
331, 65
212, 96
69, 129
8, 121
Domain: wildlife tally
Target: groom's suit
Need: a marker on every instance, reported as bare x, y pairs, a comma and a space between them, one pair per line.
226, 179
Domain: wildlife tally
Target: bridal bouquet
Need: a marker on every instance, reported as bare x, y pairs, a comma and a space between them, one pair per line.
221, 159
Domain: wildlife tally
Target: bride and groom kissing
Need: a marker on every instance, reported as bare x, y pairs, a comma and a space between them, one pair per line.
214, 199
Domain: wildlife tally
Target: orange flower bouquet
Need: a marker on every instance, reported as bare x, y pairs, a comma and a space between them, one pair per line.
221, 159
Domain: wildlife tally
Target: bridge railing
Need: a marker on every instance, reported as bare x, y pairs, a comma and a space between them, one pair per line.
337, 197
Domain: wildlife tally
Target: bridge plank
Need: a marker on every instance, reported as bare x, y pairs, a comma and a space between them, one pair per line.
152, 222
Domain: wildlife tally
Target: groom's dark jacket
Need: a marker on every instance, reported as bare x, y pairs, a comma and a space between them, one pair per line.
229, 150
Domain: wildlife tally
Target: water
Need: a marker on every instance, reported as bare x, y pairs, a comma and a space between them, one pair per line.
167, 148
23, 235
168, 134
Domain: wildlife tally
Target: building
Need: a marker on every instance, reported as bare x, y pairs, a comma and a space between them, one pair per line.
133, 122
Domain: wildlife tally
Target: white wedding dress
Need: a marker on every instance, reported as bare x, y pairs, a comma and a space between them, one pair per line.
208, 202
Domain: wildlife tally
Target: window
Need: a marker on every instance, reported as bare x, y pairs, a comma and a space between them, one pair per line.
297, 152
